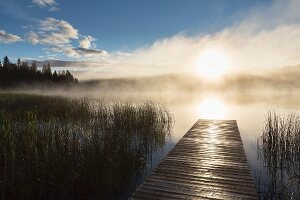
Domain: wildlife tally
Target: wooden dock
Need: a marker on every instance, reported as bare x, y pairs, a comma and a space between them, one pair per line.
209, 162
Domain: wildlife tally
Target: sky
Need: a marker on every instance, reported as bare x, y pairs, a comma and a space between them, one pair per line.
145, 37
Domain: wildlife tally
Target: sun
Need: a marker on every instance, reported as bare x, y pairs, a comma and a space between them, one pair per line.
211, 108
212, 64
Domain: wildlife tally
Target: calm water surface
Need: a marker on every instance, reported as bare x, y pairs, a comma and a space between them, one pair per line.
249, 111
250, 116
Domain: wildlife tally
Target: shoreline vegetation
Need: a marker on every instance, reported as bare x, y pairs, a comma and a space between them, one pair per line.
36, 75
54, 147
279, 153
74, 148
16, 74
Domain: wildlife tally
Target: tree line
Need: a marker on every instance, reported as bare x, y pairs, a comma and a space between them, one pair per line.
12, 74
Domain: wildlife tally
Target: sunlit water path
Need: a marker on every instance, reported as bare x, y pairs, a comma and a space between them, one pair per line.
249, 112
250, 116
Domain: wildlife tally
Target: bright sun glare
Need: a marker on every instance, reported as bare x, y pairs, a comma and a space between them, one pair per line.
212, 64
211, 108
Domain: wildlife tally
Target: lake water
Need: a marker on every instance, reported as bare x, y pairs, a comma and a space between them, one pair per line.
250, 113
248, 110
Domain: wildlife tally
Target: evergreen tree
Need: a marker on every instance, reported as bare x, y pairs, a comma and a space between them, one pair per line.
6, 62
69, 77
33, 67
12, 74
55, 76
46, 69
49, 69
19, 62
24, 66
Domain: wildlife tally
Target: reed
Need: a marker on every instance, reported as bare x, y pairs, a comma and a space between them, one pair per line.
62, 148
280, 153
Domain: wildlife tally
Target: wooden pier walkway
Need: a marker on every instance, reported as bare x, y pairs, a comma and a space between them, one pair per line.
209, 162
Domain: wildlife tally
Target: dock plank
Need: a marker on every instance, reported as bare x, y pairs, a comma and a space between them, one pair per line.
209, 162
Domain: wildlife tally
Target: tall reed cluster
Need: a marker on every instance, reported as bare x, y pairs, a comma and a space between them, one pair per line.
61, 148
280, 150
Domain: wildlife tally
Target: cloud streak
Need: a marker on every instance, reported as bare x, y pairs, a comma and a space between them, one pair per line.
51, 4
58, 36
87, 42
266, 37
8, 38
53, 32
44, 3
90, 52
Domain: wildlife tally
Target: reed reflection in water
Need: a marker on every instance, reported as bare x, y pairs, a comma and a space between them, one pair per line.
279, 152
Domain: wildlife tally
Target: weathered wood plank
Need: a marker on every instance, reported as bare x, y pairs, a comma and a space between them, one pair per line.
209, 162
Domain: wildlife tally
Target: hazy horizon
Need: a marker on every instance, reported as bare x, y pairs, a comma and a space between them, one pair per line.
214, 38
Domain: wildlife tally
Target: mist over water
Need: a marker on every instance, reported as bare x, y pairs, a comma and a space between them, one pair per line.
191, 99
245, 98
214, 60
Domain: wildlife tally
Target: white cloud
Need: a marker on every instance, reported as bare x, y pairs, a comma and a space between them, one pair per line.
58, 35
54, 9
8, 38
53, 32
27, 26
51, 4
79, 52
267, 37
67, 50
86, 42
33, 37
44, 3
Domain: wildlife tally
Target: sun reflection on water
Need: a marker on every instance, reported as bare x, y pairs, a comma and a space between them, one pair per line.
211, 108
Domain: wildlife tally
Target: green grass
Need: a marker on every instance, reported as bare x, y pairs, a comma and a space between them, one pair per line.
62, 148
280, 152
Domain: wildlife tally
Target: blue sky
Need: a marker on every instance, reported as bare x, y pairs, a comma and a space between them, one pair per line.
131, 37
113, 26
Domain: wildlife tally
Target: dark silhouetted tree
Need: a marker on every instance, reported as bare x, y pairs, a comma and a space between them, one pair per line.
33, 67
6, 63
55, 76
46, 69
19, 62
12, 74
